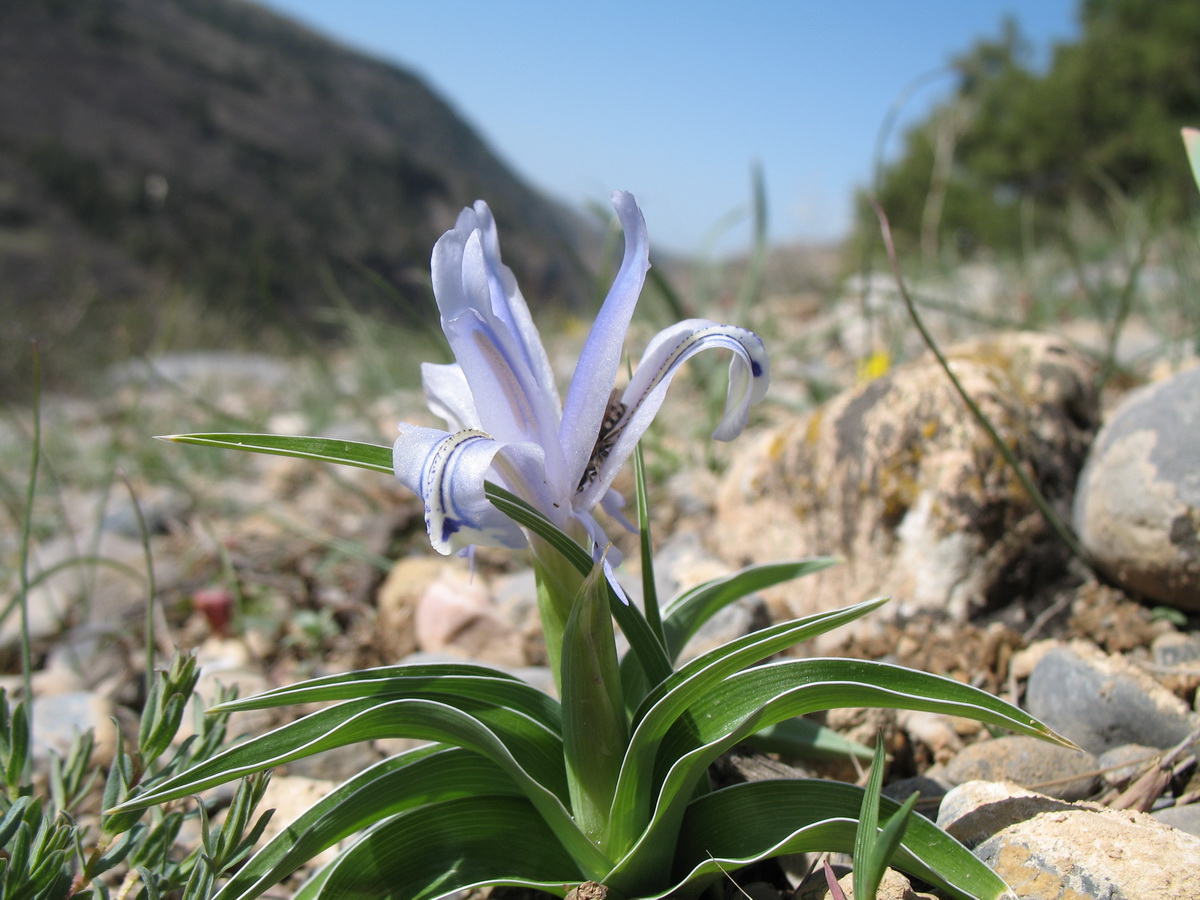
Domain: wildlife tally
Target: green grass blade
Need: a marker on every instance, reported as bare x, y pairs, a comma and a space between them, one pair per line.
868, 867
736, 825
26, 643
440, 849
649, 586
891, 837
429, 774
347, 453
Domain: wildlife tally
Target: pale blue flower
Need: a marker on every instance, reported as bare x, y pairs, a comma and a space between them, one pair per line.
506, 421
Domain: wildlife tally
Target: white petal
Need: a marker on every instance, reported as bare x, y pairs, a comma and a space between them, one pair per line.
509, 306
600, 360
749, 377
448, 471
449, 395
513, 399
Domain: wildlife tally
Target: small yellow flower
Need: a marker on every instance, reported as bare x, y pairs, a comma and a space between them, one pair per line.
874, 366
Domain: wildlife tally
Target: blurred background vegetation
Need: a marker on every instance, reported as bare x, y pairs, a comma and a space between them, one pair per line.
1015, 155
199, 174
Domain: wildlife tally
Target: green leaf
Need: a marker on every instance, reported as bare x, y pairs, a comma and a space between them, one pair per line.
447, 847
19, 741
116, 852
891, 836
642, 641
649, 587
526, 750
807, 740
595, 731
233, 841
789, 687
347, 453
671, 699
424, 681
691, 609
749, 700
737, 825
1191, 143
428, 774
869, 865
13, 818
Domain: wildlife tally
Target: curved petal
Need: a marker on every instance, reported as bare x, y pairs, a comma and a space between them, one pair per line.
521, 467
613, 503
447, 472
513, 402
509, 304
600, 360
449, 396
749, 377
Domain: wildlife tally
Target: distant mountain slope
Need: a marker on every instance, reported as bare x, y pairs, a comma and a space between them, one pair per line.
215, 148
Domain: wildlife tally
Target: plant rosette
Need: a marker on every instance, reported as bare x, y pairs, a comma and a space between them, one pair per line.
608, 784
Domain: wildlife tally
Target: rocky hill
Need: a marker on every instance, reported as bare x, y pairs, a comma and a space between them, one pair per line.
212, 150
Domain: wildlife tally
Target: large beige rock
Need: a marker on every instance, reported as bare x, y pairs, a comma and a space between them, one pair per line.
1048, 849
899, 478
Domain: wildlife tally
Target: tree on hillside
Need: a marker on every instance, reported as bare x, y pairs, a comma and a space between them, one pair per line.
1012, 148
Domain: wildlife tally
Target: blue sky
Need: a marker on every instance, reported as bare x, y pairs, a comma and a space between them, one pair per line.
676, 101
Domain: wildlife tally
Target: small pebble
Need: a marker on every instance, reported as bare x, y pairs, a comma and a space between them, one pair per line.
1101, 701
1131, 759
1174, 650
1053, 770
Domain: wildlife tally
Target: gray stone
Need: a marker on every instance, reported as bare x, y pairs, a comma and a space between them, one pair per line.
1101, 701
1056, 771
931, 790
1048, 849
1123, 764
158, 508
105, 584
1185, 818
1174, 650
898, 477
1137, 507
59, 718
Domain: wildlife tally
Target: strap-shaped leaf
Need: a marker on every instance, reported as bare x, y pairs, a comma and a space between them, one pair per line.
686, 613
869, 863
430, 774
736, 708
664, 705
446, 847
842, 683
527, 751
429, 681
746, 822
806, 739
347, 453
642, 640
